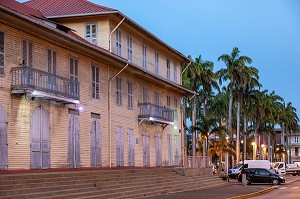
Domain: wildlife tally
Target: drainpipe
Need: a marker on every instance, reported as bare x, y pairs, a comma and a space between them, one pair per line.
114, 31
109, 110
185, 70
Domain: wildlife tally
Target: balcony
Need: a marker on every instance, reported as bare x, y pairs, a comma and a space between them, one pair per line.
45, 85
155, 114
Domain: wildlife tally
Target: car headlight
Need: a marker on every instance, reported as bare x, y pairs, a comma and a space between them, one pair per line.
281, 177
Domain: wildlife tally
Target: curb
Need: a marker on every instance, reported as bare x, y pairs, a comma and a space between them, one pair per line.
264, 191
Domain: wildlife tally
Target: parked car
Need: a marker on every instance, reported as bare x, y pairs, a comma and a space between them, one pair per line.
234, 172
260, 175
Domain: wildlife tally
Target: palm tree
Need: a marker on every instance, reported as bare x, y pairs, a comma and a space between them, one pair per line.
238, 76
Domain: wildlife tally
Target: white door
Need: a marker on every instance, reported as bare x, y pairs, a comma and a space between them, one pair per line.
169, 143
119, 147
74, 142
131, 158
95, 144
158, 149
40, 139
146, 149
3, 139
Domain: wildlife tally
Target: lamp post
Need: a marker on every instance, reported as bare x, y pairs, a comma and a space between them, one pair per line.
254, 152
242, 147
263, 151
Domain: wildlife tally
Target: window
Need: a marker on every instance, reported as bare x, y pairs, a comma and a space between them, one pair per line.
144, 56
27, 53
156, 98
175, 103
119, 91
74, 74
119, 42
95, 82
51, 61
168, 101
129, 48
168, 69
145, 95
130, 95
175, 72
296, 151
2, 54
296, 139
156, 61
175, 110
91, 33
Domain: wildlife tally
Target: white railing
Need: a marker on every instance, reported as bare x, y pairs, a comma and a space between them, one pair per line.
198, 162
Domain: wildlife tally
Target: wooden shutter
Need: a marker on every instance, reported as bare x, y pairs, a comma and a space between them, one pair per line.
74, 143
169, 142
176, 140
119, 147
3, 139
95, 144
131, 159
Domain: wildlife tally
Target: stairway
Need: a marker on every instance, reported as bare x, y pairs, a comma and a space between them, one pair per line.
98, 184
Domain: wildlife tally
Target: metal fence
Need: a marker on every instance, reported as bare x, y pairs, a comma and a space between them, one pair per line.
23, 78
155, 111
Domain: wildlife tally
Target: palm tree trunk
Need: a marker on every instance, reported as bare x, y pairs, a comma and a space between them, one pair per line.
194, 131
238, 132
245, 137
229, 130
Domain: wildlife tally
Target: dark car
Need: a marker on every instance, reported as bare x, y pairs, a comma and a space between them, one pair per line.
258, 175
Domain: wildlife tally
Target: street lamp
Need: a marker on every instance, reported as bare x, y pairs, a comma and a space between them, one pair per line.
254, 152
263, 151
242, 142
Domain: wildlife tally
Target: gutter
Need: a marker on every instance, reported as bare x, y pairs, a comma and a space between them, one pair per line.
114, 31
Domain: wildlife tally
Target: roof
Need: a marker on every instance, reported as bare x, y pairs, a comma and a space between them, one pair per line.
16, 6
55, 9
66, 7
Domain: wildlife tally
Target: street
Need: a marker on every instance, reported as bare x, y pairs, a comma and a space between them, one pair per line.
290, 191
235, 188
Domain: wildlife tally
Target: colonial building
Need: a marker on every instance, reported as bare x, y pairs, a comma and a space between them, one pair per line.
82, 85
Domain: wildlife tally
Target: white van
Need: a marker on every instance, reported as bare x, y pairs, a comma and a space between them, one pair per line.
283, 168
234, 172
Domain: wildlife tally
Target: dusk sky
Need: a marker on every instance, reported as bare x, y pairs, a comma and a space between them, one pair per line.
268, 31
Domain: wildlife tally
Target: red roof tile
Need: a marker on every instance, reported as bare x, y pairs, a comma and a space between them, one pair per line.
52, 8
16, 6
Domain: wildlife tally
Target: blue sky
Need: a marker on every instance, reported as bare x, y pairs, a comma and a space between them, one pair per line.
268, 31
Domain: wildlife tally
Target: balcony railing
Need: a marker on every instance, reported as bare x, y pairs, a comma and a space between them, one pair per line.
28, 79
156, 113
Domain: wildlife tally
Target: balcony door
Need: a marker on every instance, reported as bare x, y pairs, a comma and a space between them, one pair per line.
95, 144
40, 139
158, 149
146, 149
3, 139
51, 62
74, 142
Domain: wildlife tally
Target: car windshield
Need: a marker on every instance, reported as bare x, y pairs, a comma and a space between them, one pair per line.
237, 166
276, 165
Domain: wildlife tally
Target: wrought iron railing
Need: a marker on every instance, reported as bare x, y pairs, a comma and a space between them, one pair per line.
24, 78
148, 110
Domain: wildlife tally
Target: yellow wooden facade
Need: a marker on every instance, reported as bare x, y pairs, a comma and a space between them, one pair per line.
19, 107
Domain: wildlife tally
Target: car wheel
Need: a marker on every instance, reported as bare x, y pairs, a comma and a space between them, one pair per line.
275, 182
